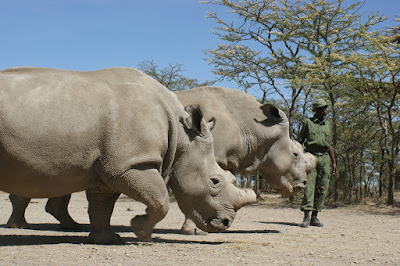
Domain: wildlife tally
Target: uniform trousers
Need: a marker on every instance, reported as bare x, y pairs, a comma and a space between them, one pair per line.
317, 184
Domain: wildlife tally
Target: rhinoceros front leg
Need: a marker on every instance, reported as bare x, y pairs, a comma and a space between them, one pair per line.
101, 206
145, 185
58, 207
17, 218
190, 228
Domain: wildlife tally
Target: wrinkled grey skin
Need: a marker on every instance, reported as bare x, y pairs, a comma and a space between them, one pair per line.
108, 132
251, 136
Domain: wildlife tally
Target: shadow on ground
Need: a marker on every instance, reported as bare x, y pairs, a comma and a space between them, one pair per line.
281, 223
27, 240
127, 229
31, 240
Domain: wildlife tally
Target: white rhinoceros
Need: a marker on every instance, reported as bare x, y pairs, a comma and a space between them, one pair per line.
108, 132
251, 136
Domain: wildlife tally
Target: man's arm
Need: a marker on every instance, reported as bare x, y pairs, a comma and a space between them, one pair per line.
334, 166
303, 133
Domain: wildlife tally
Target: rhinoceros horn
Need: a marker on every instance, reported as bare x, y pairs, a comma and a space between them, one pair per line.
246, 196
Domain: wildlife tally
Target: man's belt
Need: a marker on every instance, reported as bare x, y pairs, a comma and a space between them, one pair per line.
315, 150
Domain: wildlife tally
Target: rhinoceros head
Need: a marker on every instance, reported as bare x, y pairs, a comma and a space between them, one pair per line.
204, 190
285, 165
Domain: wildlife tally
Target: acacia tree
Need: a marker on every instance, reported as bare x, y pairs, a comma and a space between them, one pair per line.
375, 79
293, 50
358, 148
287, 48
171, 76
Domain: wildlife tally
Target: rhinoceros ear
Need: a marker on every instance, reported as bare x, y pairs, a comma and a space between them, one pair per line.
271, 111
195, 120
211, 123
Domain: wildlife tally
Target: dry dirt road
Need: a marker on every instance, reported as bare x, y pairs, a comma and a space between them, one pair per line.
262, 234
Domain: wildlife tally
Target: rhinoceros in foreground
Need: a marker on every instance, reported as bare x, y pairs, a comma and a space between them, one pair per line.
251, 136
108, 132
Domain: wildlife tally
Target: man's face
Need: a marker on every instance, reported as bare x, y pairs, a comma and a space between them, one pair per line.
321, 111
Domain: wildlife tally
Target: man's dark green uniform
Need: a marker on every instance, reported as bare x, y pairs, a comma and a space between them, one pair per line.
316, 137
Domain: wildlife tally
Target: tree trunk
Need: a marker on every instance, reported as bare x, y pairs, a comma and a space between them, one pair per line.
334, 138
361, 178
353, 176
381, 171
257, 184
391, 188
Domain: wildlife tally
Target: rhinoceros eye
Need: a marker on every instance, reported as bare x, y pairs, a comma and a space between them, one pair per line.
215, 181
296, 156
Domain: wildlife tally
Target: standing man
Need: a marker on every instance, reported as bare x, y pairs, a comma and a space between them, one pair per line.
315, 135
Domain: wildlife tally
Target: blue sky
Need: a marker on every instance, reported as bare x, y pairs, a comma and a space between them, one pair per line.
94, 34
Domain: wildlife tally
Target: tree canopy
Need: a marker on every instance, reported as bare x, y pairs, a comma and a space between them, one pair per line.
171, 76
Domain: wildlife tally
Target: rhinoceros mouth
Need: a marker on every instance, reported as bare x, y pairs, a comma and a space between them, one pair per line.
300, 186
292, 190
214, 225
218, 224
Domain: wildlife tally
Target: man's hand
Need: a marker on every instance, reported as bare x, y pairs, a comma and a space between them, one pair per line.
335, 170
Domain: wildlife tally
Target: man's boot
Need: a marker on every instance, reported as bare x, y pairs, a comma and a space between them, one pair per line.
314, 220
306, 220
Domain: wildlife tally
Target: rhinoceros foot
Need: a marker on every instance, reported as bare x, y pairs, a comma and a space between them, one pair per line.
193, 231
17, 222
70, 226
103, 238
140, 226
58, 208
190, 228
17, 218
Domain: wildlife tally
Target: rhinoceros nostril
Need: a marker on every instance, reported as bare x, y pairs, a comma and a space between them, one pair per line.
226, 222
305, 182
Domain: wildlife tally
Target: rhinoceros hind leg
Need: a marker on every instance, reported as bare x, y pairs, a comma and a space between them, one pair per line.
190, 228
58, 207
17, 218
101, 206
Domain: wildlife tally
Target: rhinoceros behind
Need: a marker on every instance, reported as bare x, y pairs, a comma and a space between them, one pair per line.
251, 136
108, 132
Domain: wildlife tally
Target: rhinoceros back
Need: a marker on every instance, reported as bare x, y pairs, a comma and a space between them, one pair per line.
56, 125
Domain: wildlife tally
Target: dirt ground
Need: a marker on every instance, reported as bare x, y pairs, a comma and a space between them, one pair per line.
265, 233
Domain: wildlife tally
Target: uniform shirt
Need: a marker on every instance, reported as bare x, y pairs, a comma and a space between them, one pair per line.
316, 136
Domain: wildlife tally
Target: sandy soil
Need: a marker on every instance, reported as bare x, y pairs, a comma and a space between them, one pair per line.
262, 234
